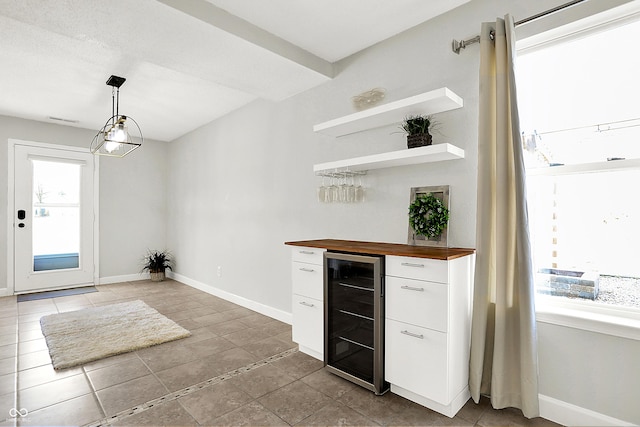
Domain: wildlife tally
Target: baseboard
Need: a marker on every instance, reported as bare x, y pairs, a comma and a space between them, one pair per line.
4, 292
568, 414
274, 313
124, 278
310, 352
449, 410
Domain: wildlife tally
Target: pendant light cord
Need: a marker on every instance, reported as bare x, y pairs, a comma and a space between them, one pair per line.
115, 101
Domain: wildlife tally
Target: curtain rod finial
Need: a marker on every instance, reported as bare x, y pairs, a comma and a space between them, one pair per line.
457, 45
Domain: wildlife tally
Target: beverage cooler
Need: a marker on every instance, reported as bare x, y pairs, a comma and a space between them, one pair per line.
354, 318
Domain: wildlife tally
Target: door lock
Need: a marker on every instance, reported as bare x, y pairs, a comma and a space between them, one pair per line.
22, 214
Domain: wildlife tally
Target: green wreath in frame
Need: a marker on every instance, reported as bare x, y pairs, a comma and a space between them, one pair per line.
428, 216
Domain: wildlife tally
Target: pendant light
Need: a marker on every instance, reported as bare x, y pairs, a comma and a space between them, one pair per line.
114, 139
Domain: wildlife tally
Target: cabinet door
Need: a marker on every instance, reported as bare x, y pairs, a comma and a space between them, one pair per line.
308, 324
416, 360
307, 280
417, 302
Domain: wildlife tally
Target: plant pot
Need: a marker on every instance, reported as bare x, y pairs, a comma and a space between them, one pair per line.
419, 140
157, 276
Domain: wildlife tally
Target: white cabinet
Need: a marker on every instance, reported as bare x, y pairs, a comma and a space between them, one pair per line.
308, 308
427, 330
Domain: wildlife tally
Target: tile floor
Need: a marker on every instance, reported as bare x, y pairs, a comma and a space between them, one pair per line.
288, 389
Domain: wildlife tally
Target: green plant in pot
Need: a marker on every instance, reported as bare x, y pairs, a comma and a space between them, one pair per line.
156, 262
417, 130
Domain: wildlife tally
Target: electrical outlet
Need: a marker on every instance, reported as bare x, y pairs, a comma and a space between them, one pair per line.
219, 271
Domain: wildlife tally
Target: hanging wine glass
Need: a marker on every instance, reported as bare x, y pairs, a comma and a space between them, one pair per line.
351, 189
322, 191
344, 188
335, 190
359, 191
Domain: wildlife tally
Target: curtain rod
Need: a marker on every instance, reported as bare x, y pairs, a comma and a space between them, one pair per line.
458, 45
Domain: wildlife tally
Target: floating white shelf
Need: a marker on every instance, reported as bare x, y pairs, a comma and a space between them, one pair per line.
413, 156
432, 102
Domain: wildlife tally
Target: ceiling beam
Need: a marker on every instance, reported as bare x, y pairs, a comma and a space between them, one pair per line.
223, 20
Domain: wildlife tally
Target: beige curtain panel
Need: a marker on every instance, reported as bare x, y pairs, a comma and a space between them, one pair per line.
503, 363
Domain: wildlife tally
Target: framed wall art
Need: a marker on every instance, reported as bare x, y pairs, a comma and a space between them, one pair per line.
429, 216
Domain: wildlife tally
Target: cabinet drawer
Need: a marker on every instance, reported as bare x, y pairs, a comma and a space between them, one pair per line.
416, 360
417, 302
308, 323
307, 280
308, 255
433, 270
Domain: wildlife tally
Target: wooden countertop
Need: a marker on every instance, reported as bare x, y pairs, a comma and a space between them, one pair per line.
376, 248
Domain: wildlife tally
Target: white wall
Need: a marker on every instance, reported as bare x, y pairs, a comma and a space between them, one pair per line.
132, 195
241, 186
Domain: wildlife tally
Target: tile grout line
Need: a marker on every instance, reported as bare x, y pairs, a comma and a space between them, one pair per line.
188, 390
15, 374
94, 392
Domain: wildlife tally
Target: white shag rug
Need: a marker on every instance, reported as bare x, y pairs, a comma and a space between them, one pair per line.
82, 336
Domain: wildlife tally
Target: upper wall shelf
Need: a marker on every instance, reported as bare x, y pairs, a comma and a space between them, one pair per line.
432, 102
413, 156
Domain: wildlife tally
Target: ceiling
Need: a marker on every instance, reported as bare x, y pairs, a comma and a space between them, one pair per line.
187, 62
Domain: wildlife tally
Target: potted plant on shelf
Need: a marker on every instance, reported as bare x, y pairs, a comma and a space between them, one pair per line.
156, 262
417, 130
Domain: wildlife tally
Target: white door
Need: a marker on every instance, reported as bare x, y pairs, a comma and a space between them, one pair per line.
53, 218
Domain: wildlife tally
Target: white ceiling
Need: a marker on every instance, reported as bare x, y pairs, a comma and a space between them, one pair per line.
187, 62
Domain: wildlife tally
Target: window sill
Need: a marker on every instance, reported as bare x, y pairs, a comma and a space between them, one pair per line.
620, 322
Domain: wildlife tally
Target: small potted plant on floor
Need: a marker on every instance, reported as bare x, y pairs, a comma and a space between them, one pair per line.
417, 130
156, 262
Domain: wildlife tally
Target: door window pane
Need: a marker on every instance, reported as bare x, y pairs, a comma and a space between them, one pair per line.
56, 215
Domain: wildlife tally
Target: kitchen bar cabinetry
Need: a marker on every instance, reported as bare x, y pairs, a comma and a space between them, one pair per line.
308, 326
428, 330
427, 303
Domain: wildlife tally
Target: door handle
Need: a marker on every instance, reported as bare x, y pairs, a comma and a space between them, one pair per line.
22, 214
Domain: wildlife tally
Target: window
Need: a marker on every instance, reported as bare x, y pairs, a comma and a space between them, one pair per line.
579, 103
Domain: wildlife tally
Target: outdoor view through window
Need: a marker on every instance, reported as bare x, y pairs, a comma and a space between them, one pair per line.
579, 104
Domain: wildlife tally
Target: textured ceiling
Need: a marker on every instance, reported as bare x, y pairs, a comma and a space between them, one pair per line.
187, 62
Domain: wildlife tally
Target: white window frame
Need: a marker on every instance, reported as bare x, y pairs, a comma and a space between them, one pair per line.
585, 18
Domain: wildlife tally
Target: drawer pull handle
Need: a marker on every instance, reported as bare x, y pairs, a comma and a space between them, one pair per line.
306, 304
307, 252
412, 334
411, 288
410, 264
308, 270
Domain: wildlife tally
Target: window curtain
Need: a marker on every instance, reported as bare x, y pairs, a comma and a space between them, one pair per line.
504, 361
